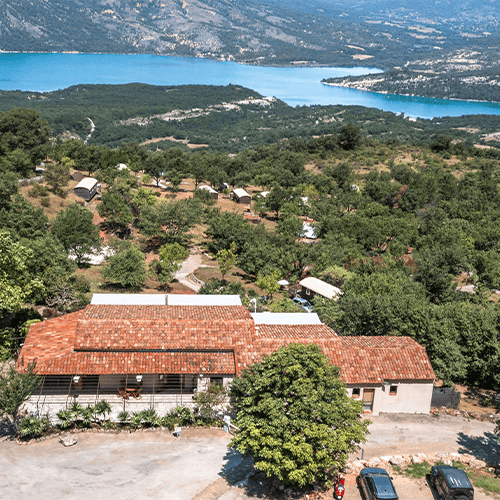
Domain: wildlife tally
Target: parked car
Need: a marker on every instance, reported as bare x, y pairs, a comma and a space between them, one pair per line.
305, 304
376, 484
451, 483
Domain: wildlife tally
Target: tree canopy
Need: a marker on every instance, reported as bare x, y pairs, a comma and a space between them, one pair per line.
295, 417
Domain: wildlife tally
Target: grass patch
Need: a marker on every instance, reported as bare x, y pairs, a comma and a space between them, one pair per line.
417, 471
485, 481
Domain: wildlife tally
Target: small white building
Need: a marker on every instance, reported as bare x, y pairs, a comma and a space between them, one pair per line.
241, 196
212, 191
388, 374
87, 188
310, 287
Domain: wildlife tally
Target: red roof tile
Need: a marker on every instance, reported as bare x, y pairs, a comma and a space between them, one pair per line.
375, 359
100, 363
294, 332
107, 339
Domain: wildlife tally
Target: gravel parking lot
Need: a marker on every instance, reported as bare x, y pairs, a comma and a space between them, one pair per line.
199, 466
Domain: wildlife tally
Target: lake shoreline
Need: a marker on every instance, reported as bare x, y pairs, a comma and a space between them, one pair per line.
297, 64
408, 95
294, 85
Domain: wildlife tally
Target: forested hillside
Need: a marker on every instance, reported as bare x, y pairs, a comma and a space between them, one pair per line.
230, 118
401, 229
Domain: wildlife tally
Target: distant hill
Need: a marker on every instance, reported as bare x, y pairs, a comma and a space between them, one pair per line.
194, 116
385, 34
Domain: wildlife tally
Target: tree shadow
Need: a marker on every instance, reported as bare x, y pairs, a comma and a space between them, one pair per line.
240, 472
485, 447
7, 429
247, 278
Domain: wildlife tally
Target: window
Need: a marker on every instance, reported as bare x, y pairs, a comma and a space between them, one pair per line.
217, 380
393, 390
308, 292
356, 392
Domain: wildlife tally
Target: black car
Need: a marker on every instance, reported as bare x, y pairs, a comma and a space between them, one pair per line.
376, 484
451, 483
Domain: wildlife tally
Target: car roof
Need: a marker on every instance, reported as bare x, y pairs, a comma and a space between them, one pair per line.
373, 470
381, 482
456, 478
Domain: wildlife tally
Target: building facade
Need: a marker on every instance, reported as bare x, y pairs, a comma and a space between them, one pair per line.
142, 356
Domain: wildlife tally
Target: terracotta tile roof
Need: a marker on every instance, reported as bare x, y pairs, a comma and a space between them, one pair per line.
106, 339
375, 359
110, 339
311, 332
51, 338
161, 327
107, 363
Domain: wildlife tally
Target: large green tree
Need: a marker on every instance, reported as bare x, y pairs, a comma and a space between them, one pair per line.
170, 221
23, 129
169, 262
16, 283
75, 229
127, 268
295, 417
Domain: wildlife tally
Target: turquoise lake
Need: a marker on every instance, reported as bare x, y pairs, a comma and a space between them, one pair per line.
295, 86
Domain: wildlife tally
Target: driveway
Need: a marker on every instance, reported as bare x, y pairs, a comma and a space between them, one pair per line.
396, 434
199, 465
116, 466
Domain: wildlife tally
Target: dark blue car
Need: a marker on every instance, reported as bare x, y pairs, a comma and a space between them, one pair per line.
376, 484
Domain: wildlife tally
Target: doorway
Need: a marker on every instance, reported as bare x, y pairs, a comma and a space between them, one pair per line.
368, 395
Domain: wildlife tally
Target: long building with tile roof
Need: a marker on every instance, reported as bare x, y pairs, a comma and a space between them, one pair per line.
163, 350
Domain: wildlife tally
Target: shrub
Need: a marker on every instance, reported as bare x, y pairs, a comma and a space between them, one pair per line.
182, 415
38, 191
108, 425
124, 417
169, 421
32, 427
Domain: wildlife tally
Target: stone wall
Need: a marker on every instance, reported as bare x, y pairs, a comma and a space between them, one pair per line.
388, 462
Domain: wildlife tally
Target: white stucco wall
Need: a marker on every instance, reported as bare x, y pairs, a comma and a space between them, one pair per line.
411, 397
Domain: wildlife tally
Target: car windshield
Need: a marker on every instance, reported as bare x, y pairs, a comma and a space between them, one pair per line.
383, 487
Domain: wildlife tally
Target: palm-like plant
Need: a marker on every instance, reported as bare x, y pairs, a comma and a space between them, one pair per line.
66, 418
136, 420
87, 416
151, 418
33, 426
124, 417
101, 409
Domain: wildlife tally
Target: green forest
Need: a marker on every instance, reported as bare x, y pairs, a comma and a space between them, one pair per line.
199, 115
403, 220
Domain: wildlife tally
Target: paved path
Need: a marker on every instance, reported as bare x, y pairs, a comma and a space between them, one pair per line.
190, 265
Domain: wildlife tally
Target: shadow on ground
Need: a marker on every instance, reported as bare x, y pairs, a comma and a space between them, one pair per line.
7, 429
241, 473
485, 447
